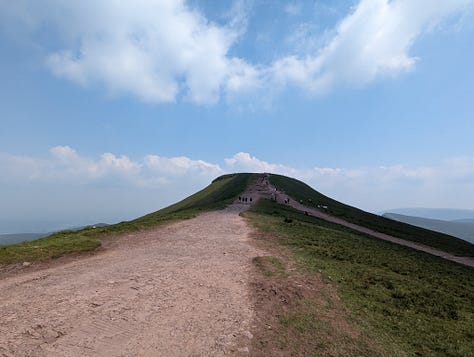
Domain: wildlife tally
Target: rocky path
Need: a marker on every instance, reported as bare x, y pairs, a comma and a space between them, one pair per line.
178, 290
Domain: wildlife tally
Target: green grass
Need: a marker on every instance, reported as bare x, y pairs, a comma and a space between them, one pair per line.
410, 302
300, 191
270, 266
51, 247
217, 195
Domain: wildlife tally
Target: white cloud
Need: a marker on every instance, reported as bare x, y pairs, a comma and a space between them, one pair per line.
65, 188
371, 43
163, 50
177, 166
65, 165
156, 50
447, 184
113, 187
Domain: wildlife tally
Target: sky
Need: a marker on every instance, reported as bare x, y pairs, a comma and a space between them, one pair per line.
113, 109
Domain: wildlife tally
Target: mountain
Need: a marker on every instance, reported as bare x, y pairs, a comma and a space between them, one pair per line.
225, 189
467, 220
14, 238
463, 229
220, 193
444, 214
300, 191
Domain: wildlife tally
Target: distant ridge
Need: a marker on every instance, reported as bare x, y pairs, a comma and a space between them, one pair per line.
467, 220
463, 229
15, 238
444, 214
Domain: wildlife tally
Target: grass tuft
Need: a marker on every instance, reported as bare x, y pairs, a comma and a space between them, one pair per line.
270, 266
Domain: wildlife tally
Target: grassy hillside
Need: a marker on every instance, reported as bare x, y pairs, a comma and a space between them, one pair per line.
217, 195
407, 302
300, 191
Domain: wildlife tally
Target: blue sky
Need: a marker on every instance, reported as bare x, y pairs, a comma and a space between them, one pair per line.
114, 109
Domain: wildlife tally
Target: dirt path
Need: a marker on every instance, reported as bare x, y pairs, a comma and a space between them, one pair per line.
179, 290
267, 190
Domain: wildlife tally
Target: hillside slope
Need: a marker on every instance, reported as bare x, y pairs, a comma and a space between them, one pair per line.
407, 302
444, 214
222, 191
300, 191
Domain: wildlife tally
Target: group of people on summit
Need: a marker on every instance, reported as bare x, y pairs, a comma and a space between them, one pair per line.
245, 199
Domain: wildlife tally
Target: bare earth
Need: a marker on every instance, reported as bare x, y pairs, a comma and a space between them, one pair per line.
178, 290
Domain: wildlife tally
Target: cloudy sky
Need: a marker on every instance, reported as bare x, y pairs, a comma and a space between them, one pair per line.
113, 109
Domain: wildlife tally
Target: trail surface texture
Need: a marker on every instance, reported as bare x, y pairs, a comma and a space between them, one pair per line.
178, 290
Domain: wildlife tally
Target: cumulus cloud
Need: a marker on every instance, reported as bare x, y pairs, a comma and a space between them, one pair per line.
449, 183
65, 189
164, 50
112, 187
373, 42
157, 50
65, 165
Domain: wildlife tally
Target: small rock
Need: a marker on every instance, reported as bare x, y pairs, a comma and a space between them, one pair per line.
26, 264
248, 334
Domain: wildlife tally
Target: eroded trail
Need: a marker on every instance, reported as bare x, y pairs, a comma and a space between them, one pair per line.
179, 290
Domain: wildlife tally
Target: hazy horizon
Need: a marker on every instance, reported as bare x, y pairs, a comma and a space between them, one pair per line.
110, 112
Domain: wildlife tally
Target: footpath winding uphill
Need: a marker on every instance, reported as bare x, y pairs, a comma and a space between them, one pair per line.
270, 191
178, 290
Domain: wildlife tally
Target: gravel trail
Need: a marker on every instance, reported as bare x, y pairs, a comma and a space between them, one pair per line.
179, 290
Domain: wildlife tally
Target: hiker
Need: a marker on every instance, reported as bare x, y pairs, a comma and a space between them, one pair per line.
250, 199
240, 199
